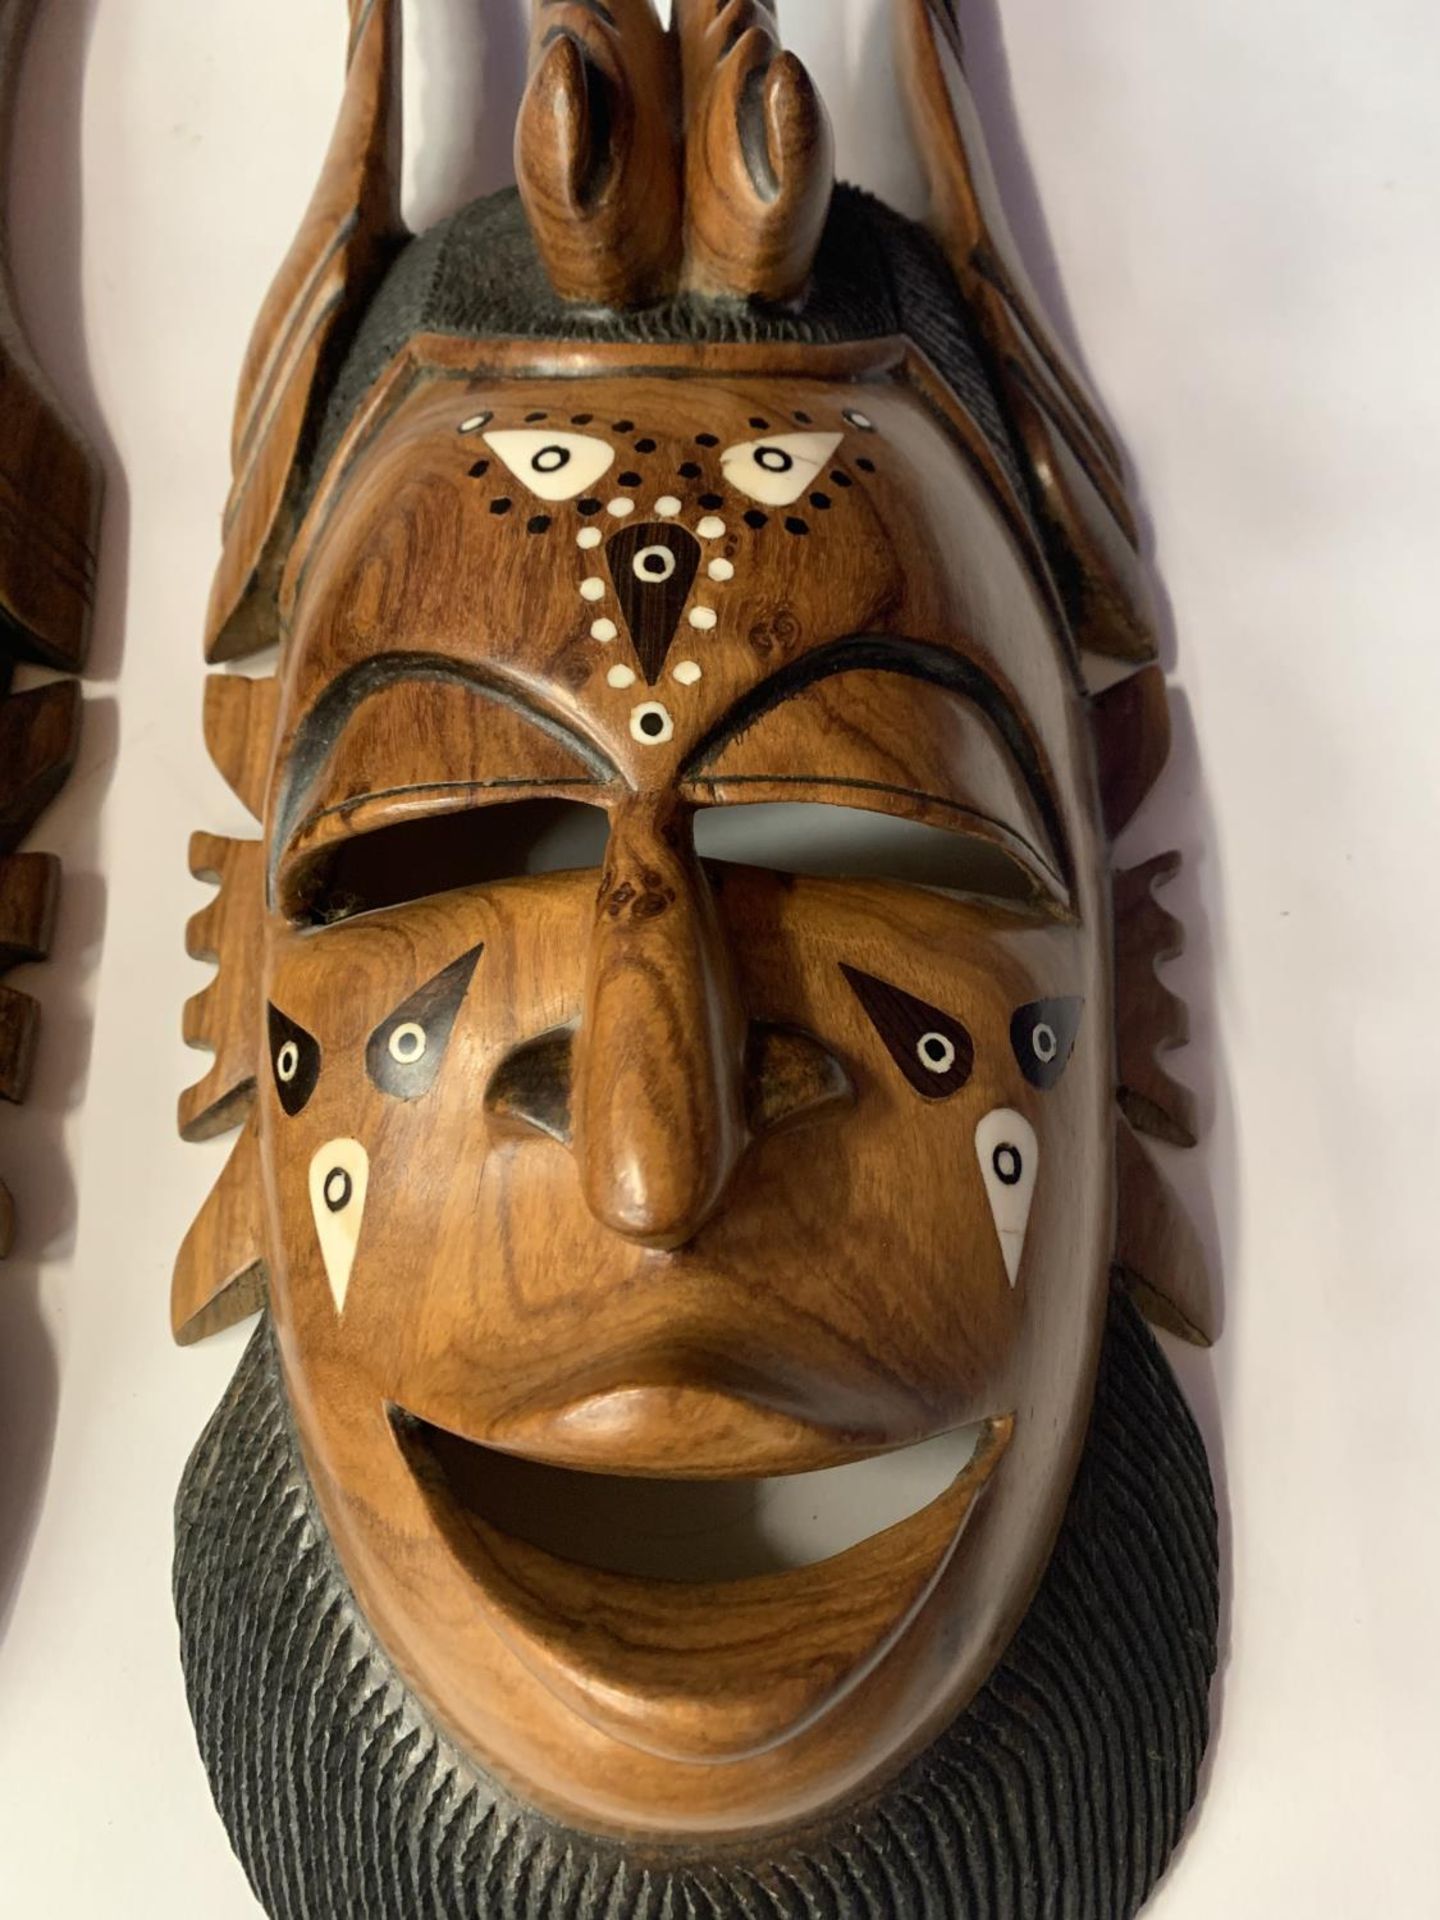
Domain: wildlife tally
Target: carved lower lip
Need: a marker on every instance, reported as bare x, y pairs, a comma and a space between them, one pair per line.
711, 1669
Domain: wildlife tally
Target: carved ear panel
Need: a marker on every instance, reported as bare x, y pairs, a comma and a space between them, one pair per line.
1149, 1019
29, 887
1158, 1257
240, 719
759, 157
347, 239
220, 1274
1130, 724
1077, 480
223, 1016
597, 151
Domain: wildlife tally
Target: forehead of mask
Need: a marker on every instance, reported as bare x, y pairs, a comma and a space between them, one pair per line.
642, 553
476, 1226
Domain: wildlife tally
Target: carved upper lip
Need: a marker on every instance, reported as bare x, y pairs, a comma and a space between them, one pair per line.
696, 1669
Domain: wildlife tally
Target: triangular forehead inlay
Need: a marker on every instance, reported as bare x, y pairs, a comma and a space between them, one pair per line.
653, 567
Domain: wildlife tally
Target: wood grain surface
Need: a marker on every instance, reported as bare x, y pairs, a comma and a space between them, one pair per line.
50, 488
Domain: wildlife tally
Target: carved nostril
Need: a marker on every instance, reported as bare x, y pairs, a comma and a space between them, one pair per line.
790, 1076
529, 1091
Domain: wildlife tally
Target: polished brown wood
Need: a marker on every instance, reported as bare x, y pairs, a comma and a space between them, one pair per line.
597, 151
759, 154
29, 887
647, 1162
221, 1019
348, 237
240, 733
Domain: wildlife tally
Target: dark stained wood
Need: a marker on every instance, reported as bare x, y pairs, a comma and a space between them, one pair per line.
39, 738
50, 481
348, 237
1131, 723
29, 894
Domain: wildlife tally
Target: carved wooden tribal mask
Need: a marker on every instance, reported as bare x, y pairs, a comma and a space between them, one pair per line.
689, 1042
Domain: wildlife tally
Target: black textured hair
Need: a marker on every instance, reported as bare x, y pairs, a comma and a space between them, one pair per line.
1058, 1794
477, 275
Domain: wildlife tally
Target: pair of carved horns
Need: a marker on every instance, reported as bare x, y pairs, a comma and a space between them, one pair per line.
653, 161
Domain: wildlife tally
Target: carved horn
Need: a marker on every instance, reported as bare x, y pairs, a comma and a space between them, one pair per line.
1077, 478
760, 159
348, 237
597, 151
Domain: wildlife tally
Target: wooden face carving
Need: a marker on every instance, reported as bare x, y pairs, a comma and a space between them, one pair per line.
687, 1009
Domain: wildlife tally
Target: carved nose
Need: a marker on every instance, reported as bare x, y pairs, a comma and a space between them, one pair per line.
658, 1112
666, 1083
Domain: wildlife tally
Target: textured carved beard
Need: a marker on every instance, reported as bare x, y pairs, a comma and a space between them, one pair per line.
1061, 1790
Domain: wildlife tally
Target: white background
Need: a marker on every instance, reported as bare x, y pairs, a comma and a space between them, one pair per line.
1239, 220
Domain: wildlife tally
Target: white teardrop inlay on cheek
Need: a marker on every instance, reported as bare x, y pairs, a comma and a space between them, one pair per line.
1009, 1156
339, 1180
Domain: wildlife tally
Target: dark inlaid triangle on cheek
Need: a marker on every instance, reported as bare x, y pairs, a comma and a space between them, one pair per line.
653, 567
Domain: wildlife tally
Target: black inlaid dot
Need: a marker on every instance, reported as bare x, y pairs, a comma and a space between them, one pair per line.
623, 426
581, 419
754, 518
652, 723
479, 470
500, 506
865, 466
759, 424
540, 524
645, 446
587, 506
707, 440
689, 471
840, 479
629, 479
796, 525
531, 418
803, 419
821, 502
712, 502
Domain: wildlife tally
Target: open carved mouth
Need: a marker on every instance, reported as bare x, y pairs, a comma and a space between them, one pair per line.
704, 1620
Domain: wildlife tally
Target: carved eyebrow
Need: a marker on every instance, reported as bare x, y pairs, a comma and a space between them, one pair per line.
919, 660
318, 731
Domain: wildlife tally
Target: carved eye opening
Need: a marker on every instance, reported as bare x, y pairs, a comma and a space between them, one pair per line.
295, 1060
403, 1054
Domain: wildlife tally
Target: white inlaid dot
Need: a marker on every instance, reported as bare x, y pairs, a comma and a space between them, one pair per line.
476, 422
703, 618
651, 724
287, 1062
592, 589
687, 672
408, 1043
1046, 1044
667, 506
604, 631
588, 537
621, 677
712, 527
721, 569
621, 509
859, 419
